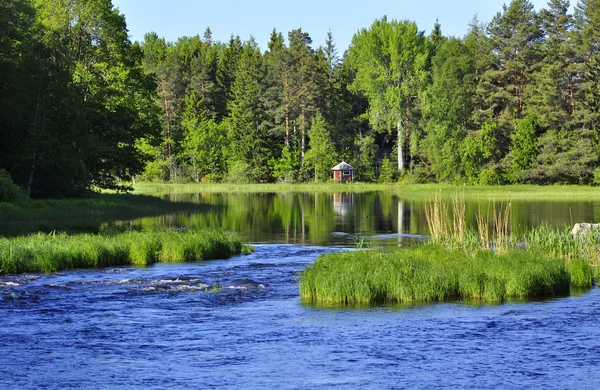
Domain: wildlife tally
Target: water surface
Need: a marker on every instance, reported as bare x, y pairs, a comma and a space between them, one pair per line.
239, 323
342, 219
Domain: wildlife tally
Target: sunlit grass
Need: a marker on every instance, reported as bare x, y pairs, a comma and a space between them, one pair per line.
432, 274
408, 191
50, 253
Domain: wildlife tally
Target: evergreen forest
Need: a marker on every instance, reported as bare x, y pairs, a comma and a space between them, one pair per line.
516, 100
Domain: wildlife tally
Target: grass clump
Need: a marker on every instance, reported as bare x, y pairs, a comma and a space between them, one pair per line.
431, 273
54, 252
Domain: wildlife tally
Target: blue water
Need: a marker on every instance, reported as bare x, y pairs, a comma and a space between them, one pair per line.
239, 324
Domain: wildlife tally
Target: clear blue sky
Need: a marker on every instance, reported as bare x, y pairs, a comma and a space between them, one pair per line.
175, 18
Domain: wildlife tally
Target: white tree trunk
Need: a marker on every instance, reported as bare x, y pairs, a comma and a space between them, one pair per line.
400, 147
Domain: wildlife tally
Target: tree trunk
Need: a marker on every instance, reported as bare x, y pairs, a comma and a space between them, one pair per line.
287, 113
166, 108
31, 171
400, 147
303, 118
39, 109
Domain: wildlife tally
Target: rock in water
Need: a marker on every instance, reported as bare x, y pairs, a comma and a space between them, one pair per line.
584, 228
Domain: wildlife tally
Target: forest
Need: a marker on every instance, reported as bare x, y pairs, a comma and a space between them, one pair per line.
516, 100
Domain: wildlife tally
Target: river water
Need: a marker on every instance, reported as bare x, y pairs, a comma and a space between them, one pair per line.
240, 324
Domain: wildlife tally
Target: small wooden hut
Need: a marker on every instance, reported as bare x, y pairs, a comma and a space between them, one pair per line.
343, 172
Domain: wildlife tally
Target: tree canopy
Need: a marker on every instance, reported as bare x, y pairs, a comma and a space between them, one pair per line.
82, 107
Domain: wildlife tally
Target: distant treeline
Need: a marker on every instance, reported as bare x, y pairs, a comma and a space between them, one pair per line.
517, 100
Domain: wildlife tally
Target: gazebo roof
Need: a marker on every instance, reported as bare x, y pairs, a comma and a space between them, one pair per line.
343, 166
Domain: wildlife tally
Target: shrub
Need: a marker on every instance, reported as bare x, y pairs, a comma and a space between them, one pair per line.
8, 189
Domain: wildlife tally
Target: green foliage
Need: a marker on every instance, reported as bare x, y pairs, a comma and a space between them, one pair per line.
8, 190
285, 167
321, 156
386, 175
597, 176
489, 177
79, 100
82, 107
524, 144
364, 161
390, 59
241, 173
472, 158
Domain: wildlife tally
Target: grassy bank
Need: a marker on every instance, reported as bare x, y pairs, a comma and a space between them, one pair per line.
431, 273
506, 192
50, 253
159, 189
83, 215
96, 206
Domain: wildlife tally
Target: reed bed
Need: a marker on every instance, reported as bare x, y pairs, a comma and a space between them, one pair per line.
51, 253
430, 273
580, 252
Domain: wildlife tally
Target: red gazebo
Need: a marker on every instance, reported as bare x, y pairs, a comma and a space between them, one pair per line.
343, 172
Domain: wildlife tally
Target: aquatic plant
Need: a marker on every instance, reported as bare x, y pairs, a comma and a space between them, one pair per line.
53, 252
430, 273
581, 252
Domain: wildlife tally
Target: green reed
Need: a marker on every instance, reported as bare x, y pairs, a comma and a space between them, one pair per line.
54, 252
431, 273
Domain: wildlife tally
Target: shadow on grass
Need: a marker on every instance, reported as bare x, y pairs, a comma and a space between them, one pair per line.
85, 215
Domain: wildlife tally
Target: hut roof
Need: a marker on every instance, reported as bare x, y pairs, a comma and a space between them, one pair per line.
343, 166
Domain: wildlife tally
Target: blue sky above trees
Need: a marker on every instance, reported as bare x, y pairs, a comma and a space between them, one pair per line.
177, 18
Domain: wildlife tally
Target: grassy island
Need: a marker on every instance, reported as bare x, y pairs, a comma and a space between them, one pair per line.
490, 264
50, 253
431, 273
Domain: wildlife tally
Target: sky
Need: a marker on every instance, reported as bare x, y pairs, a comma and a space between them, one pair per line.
176, 18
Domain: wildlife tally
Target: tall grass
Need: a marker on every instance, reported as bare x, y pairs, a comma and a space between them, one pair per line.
50, 253
581, 252
432, 274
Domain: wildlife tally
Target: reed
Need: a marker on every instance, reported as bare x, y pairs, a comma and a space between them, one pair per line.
54, 252
448, 230
581, 253
431, 273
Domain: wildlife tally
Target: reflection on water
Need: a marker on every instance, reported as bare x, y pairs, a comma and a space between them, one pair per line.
332, 219
340, 219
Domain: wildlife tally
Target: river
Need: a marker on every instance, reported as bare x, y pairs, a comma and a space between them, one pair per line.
240, 324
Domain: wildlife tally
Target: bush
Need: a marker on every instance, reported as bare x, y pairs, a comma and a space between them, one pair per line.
596, 180
489, 177
8, 189
241, 173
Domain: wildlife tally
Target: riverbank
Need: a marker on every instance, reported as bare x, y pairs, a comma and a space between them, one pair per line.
408, 191
83, 215
51, 253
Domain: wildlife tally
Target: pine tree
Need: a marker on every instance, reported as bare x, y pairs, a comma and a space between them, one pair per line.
321, 156
248, 153
551, 99
515, 37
